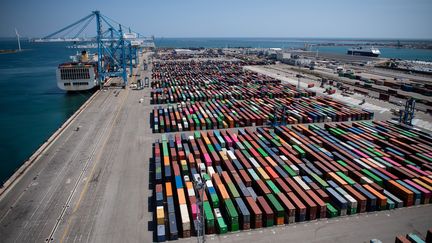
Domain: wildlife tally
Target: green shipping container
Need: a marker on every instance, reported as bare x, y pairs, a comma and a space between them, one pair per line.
262, 152
346, 178
214, 199
273, 187
331, 211
299, 150
197, 135
290, 171
208, 214
233, 190
232, 215
275, 205
320, 181
373, 177
221, 226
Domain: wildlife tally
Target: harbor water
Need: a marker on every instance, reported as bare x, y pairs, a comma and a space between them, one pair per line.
32, 107
287, 43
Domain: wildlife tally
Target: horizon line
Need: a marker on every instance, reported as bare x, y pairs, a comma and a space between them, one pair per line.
264, 37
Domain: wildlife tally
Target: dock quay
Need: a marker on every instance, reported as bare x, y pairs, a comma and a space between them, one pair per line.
96, 179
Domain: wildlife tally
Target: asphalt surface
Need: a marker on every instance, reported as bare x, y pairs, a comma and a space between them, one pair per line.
383, 225
93, 185
90, 185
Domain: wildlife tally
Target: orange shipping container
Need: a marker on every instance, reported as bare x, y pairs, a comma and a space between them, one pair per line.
382, 200
400, 191
168, 189
337, 179
181, 196
166, 160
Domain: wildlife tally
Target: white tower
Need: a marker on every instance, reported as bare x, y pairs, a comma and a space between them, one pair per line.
18, 39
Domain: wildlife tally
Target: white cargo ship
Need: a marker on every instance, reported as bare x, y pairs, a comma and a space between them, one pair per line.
361, 51
80, 74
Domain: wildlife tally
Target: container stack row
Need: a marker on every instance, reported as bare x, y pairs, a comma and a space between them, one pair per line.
175, 82
217, 114
412, 237
265, 177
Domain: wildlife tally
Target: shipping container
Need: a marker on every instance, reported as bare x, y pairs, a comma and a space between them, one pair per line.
221, 227
267, 212
209, 218
161, 235
172, 223
231, 215
256, 213
264, 177
331, 211
244, 214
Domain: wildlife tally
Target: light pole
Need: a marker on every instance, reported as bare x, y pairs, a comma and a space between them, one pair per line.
200, 189
298, 84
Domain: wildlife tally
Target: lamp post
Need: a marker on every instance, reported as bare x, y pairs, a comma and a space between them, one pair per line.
200, 189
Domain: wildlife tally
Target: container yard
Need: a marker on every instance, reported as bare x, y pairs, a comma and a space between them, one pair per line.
221, 94
190, 116
175, 82
292, 174
275, 162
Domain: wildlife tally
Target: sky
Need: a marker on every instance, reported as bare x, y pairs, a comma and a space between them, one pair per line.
400, 19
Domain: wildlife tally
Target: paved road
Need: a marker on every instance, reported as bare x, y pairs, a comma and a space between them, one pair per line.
91, 185
383, 225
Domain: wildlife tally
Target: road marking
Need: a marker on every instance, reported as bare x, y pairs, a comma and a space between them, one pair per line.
97, 159
22, 193
68, 181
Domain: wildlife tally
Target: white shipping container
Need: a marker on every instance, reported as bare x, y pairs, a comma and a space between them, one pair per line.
231, 155
376, 162
346, 145
185, 217
202, 168
254, 163
217, 213
295, 168
364, 179
295, 141
362, 164
351, 200
209, 183
301, 183
210, 171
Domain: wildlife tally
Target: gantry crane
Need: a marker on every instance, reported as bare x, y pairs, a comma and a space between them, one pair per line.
406, 116
116, 49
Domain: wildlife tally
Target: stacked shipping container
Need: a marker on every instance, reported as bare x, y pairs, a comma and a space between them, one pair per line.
279, 176
190, 116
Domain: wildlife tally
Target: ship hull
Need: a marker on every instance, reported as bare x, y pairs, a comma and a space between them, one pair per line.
361, 53
75, 78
